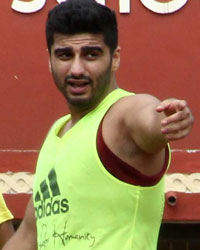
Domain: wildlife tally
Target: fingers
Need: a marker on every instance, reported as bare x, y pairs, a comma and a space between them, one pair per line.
178, 121
176, 117
171, 106
177, 130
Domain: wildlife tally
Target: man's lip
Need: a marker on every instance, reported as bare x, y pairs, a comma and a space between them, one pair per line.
77, 83
77, 87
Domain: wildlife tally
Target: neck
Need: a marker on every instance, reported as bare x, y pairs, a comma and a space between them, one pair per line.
77, 113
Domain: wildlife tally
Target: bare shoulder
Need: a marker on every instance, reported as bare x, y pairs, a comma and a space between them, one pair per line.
139, 100
135, 119
130, 130
135, 105
127, 115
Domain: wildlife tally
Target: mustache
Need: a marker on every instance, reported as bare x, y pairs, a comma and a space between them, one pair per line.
82, 77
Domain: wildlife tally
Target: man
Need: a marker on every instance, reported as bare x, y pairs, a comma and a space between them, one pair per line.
6, 227
99, 179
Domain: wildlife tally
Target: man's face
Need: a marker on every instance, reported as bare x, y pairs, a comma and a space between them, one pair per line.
82, 68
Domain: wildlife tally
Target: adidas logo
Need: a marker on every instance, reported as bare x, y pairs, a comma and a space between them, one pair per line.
46, 204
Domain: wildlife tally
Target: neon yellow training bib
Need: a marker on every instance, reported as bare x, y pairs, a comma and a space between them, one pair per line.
5, 214
79, 205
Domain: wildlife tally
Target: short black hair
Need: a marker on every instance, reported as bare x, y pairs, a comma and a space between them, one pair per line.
82, 16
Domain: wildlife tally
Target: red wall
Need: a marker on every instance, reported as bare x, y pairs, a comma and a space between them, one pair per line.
160, 55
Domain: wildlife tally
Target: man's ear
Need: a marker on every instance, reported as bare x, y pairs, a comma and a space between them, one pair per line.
116, 59
50, 68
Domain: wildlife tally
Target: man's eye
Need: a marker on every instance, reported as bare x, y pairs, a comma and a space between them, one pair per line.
65, 56
92, 55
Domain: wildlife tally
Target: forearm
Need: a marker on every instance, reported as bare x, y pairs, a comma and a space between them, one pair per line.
21, 241
154, 123
6, 231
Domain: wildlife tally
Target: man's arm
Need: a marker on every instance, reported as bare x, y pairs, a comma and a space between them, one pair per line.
6, 231
137, 129
26, 237
155, 123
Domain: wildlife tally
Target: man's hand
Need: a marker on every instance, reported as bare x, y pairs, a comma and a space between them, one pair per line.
179, 120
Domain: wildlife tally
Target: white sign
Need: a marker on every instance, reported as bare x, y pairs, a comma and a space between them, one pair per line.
124, 5
28, 7
164, 7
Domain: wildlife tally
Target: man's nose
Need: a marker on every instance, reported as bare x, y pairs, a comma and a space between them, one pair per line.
77, 67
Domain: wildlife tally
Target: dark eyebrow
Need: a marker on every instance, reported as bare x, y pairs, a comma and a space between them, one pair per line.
62, 50
87, 49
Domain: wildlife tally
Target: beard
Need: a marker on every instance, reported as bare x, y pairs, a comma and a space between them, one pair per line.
98, 90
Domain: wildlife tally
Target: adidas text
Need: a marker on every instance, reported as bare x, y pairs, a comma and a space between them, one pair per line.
46, 209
